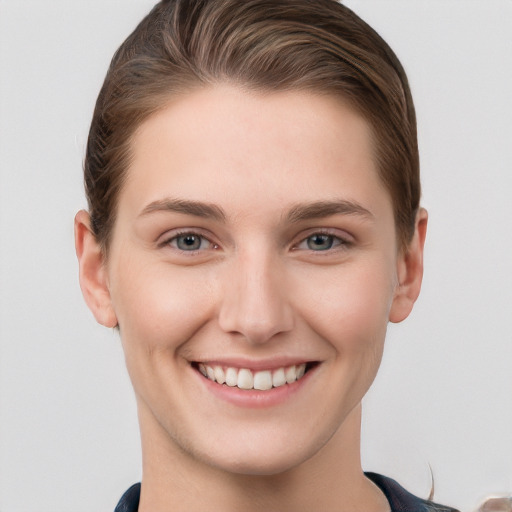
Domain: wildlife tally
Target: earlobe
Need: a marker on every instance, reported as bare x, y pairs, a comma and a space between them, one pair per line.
410, 272
93, 273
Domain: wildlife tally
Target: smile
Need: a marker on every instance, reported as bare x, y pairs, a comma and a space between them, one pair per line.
246, 379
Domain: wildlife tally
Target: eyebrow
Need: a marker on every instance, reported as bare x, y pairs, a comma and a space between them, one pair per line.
298, 213
321, 209
188, 207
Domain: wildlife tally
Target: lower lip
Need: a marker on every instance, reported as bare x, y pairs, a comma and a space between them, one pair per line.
253, 398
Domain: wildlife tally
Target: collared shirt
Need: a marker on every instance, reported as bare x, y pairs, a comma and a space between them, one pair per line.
399, 499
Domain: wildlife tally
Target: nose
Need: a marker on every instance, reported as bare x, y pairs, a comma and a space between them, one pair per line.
255, 302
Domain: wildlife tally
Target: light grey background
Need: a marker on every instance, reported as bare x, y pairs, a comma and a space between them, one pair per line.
68, 430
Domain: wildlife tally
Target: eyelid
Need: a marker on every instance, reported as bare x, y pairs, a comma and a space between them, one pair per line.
166, 239
345, 238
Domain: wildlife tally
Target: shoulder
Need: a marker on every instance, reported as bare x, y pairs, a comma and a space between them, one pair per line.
401, 500
129, 502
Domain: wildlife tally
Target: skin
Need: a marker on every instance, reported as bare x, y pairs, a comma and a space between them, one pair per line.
272, 280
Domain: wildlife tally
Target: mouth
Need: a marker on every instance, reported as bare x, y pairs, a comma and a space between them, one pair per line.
247, 379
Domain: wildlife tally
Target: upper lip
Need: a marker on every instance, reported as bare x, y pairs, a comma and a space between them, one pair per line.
256, 364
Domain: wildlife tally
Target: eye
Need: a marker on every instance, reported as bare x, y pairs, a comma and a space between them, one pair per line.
321, 242
318, 242
190, 242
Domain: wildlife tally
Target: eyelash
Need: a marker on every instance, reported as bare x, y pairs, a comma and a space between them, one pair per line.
184, 234
336, 242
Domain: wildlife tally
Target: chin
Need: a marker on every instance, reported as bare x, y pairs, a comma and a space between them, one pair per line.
264, 464
264, 456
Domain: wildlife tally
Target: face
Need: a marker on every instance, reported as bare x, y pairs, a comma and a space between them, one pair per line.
253, 269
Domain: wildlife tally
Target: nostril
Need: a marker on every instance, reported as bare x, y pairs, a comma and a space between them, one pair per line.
253, 305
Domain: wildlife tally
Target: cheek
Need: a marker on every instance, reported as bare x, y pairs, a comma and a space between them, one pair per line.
351, 307
159, 306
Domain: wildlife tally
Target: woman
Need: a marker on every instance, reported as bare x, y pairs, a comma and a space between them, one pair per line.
254, 224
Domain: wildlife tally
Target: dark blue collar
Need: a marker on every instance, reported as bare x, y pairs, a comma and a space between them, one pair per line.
129, 502
399, 499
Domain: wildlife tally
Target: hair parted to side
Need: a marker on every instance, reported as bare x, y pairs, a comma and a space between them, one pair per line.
319, 46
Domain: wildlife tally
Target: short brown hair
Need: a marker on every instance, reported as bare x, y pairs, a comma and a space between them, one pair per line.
319, 46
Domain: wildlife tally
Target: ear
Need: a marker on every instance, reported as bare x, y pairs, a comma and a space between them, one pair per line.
93, 272
409, 271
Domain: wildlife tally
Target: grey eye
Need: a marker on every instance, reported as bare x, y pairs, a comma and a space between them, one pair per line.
188, 242
319, 242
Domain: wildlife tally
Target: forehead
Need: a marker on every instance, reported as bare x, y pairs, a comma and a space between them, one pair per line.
224, 142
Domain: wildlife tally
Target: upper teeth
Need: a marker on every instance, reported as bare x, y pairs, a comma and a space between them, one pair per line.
244, 378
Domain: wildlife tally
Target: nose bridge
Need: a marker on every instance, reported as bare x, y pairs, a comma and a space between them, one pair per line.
255, 303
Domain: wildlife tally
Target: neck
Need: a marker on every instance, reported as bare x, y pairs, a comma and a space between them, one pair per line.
332, 479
